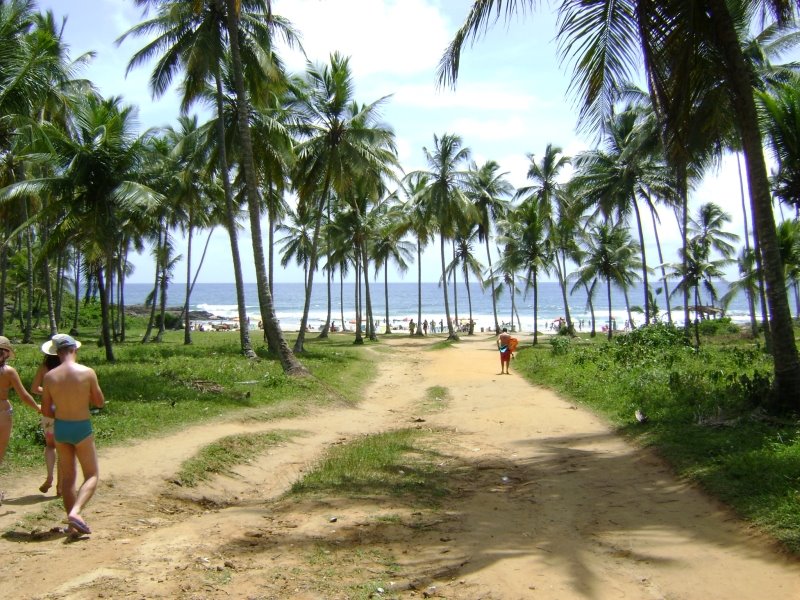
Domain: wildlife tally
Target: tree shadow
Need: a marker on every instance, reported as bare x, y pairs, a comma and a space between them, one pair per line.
569, 500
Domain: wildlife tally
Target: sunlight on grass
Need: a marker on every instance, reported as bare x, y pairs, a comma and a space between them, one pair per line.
392, 463
223, 455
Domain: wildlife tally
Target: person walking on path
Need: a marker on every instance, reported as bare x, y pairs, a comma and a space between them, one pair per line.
503, 341
425, 326
50, 362
69, 390
9, 378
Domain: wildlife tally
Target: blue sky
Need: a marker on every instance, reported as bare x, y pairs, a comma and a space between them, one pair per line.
512, 96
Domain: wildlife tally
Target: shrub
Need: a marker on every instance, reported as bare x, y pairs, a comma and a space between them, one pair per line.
560, 344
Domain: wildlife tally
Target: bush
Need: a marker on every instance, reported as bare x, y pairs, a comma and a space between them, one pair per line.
560, 344
717, 326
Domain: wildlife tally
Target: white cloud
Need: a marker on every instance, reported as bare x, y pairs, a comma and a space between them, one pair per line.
375, 34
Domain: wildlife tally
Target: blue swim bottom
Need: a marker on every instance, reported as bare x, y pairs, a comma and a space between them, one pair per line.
72, 432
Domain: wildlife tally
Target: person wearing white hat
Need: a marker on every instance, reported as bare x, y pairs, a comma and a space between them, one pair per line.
68, 391
9, 378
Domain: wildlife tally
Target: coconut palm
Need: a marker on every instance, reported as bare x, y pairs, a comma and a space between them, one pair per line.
417, 221
343, 141
445, 201
557, 209
97, 168
387, 246
610, 255
489, 192
464, 260
708, 231
674, 40
195, 39
746, 284
780, 108
526, 247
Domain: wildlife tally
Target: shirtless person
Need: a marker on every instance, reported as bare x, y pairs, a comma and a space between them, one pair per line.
69, 390
505, 352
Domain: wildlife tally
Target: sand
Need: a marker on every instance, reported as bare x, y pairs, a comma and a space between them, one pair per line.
545, 501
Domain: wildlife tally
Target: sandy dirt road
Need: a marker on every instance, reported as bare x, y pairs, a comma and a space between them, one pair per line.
544, 502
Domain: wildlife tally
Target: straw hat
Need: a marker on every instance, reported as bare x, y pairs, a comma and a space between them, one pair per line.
5, 344
58, 342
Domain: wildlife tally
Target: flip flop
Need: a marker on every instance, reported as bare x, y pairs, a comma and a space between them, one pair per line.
79, 525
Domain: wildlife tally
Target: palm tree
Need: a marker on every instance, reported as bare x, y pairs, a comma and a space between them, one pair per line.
417, 221
674, 40
557, 209
193, 38
343, 140
780, 110
708, 230
699, 270
747, 284
445, 200
789, 240
464, 259
488, 190
389, 245
610, 255
97, 169
527, 247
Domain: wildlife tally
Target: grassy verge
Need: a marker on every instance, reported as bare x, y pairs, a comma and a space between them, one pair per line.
393, 463
703, 413
160, 387
223, 455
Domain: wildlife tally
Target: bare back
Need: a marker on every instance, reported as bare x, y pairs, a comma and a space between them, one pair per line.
69, 390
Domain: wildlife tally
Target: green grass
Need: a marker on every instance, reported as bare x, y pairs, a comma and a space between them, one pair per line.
158, 388
392, 463
436, 398
224, 454
704, 414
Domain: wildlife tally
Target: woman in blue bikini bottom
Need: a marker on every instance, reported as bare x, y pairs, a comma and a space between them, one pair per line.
72, 432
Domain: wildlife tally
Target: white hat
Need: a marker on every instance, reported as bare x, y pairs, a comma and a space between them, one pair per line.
59, 342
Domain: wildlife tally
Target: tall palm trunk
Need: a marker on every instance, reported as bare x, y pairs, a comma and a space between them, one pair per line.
359, 338
27, 332
471, 325
367, 297
645, 281
455, 296
312, 262
610, 315
230, 224
4, 282
187, 328
326, 327
684, 226
561, 273
341, 298
104, 310
77, 312
589, 294
535, 273
491, 281
419, 281
661, 262
162, 295
751, 304
153, 302
388, 328
784, 348
451, 334
289, 362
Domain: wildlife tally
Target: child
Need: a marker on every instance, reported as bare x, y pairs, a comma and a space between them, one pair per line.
9, 379
50, 361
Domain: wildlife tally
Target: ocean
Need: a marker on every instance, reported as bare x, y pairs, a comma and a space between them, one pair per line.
219, 299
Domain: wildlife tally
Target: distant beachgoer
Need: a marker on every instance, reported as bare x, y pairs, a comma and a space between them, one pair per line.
69, 390
9, 378
441, 325
433, 326
425, 327
411, 326
503, 341
50, 362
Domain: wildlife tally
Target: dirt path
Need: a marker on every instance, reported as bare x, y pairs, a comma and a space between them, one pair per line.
545, 502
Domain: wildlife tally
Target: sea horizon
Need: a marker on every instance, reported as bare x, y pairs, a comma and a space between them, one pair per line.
219, 300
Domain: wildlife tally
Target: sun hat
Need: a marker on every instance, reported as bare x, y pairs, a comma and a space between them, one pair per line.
58, 342
5, 344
